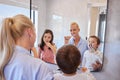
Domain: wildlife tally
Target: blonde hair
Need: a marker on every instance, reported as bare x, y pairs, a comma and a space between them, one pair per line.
11, 30
74, 23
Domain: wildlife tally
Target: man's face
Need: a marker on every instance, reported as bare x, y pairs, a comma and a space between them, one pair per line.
74, 30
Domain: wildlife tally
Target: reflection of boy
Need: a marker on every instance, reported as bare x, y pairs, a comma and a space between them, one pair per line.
68, 59
92, 58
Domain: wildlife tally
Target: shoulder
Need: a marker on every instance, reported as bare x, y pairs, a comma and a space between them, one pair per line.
86, 52
99, 53
87, 76
35, 63
57, 76
27, 60
83, 41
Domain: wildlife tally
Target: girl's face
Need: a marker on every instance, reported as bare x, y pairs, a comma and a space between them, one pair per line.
47, 37
93, 43
74, 30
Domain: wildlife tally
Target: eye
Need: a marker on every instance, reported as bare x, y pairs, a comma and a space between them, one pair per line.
74, 29
45, 36
49, 37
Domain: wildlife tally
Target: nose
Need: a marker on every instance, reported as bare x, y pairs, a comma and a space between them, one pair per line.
72, 31
90, 45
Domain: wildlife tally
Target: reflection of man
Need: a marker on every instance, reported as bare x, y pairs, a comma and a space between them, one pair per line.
76, 39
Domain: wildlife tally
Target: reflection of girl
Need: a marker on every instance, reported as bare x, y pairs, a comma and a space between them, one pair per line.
92, 57
47, 48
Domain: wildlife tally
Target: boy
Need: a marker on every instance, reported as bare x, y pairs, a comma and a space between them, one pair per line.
92, 58
68, 58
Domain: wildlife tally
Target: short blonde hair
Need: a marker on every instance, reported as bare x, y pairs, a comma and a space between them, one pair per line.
74, 23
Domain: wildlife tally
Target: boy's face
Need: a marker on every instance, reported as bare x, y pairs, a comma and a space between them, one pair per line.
93, 43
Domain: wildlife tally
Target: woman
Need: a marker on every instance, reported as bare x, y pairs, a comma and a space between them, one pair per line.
17, 37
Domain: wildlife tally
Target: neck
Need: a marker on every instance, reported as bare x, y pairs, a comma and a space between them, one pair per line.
93, 50
76, 40
72, 74
23, 43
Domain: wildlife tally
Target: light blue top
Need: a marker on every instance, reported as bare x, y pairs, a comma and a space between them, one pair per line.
82, 45
22, 66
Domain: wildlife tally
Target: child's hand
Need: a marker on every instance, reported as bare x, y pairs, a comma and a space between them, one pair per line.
91, 48
97, 65
48, 44
83, 69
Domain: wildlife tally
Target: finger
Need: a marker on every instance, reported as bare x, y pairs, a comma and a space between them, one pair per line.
98, 62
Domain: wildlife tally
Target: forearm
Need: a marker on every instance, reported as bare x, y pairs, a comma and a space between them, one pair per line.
35, 52
53, 48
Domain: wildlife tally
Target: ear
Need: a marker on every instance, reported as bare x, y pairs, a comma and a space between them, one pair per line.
98, 45
29, 32
79, 29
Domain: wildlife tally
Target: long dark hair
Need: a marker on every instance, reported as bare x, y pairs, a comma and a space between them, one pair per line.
41, 45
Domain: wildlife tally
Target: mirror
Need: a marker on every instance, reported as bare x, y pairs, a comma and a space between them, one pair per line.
57, 15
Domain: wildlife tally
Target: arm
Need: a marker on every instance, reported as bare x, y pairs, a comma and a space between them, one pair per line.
84, 60
34, 52
84, 69
98, 65
66, 39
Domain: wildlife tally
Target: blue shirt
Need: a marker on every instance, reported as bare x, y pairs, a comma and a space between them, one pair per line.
82, 45
22, 66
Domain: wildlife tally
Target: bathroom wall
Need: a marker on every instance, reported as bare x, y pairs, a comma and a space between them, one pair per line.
58, 15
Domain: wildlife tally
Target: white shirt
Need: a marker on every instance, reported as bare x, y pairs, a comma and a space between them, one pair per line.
91, 57
77, 76
22, 66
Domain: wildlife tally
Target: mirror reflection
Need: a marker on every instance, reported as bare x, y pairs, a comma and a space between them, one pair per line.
88, 18
65, 19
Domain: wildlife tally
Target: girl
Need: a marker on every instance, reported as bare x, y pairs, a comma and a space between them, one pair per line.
47, 48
